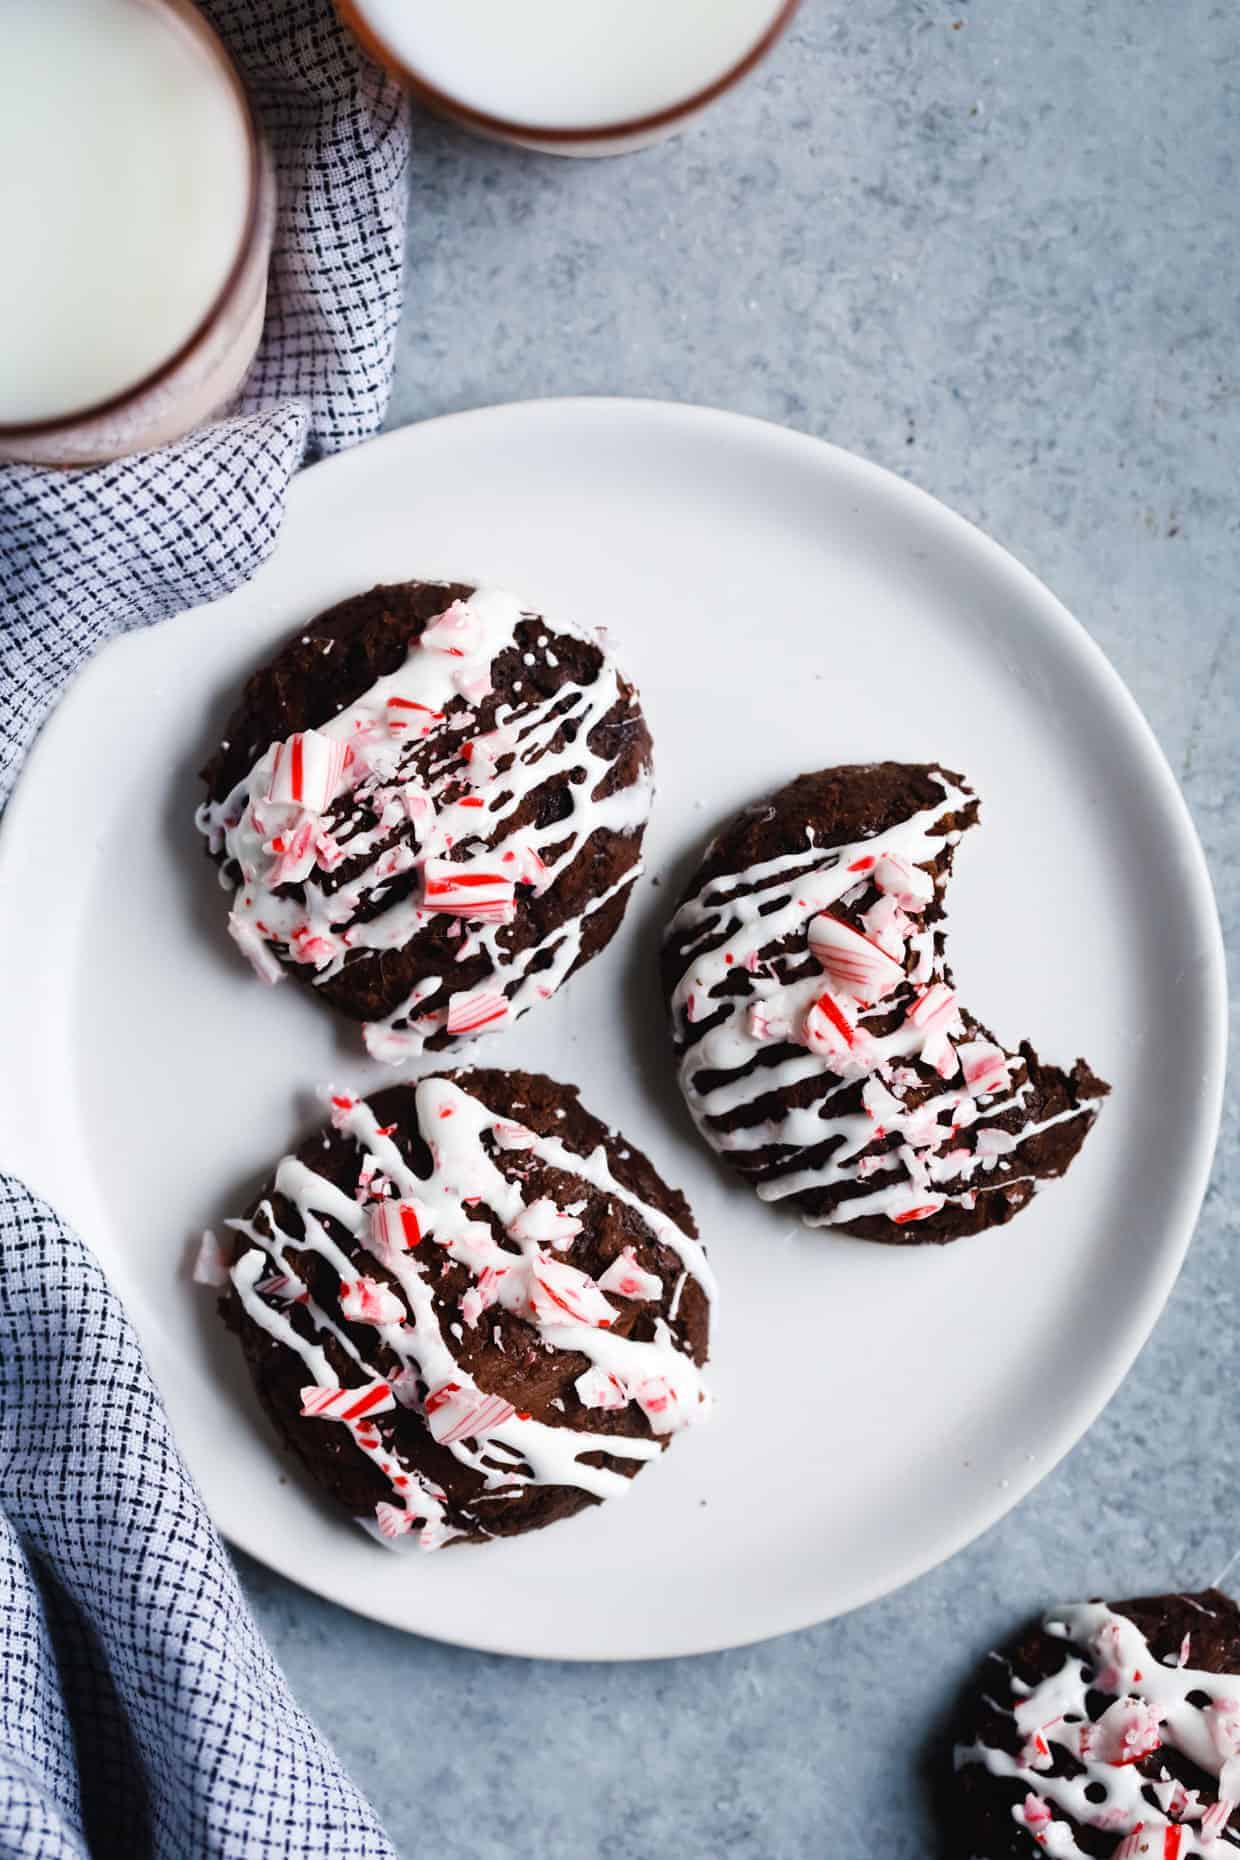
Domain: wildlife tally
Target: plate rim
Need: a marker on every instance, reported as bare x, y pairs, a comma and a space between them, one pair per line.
1199, 905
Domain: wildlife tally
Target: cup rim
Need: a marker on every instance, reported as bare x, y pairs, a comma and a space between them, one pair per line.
197, 23
370, 40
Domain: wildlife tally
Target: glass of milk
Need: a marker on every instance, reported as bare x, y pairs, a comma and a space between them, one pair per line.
571, 77
135, 222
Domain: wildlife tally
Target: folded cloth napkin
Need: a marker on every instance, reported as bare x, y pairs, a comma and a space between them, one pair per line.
140, 1712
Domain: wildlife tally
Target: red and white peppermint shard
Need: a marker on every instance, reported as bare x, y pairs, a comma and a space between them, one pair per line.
542, 1221
985, 1067
1035, 1814
455, 1413
457, 631
855, 966
393, 1520
886, 924
484, 753
406, 717
397, 1226
936, 1017
660, 1402
911, 888
471, 889
1127, 1731
597, 1389
558, 1293
211, 1263
829, 1032
629, 1279
337, 1404
365, 1301
470, 1013
307, 770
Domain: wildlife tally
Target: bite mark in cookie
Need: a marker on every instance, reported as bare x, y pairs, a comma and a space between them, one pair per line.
823, 1048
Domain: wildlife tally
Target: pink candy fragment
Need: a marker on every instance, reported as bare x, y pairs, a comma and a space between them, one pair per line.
660, 1404
455, 1413
985, 1067
598, 1389
911, 888
307, 770
471, 889
397, 1226
352, 1404
393, 1520
828, 1031
1127, 1731
365, 1301
470, 1013
558, 1293
457, 631
854, 965
211, 1263
543, 1221
629, 1279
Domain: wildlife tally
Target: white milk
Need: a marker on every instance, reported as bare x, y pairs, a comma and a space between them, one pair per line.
570, 64
124, 191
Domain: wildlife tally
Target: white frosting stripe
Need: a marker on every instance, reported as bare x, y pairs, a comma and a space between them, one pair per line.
861, 1007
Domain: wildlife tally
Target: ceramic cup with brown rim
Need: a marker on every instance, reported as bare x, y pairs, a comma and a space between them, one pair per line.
135, 225
569, 77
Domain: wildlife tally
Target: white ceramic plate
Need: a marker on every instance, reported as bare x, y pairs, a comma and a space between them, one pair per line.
782, 606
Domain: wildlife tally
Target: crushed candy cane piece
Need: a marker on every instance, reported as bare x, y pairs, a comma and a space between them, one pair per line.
352, 1404
470, 1013
468, 889
557, 1292
887, 926
398, 1226
854, 965
212, 1261
629, 1279
393, 1520
543, 1222
454, 1413
985, 1067
660, 1402
307, 770
457, 631
909, 885
365, 1301
597, 1389
405, 716
1127, 1731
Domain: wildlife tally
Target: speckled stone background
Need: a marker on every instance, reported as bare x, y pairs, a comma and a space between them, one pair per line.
992, 245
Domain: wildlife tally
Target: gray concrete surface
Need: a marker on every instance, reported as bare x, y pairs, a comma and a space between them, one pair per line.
993, 246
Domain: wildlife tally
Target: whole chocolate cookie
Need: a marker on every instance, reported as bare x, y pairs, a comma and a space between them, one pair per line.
429, 807
1110, 1731
823, 1050
470, 1308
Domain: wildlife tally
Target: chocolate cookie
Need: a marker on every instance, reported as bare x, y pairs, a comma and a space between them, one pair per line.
470, 1308
823, 1050
1106, 1731
430, 808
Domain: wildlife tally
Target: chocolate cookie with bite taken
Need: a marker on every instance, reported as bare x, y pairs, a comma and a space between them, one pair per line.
1107, 1730
469, 1308
823, 1049
429, 808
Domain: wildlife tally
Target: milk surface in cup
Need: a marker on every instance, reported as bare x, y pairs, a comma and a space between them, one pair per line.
570, 64
125, 191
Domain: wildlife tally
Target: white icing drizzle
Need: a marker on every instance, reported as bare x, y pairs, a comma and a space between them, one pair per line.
277, 844
1152, 1709
513, 1449
788, 1028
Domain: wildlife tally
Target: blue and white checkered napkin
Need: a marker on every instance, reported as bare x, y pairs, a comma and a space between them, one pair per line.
140, 1712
